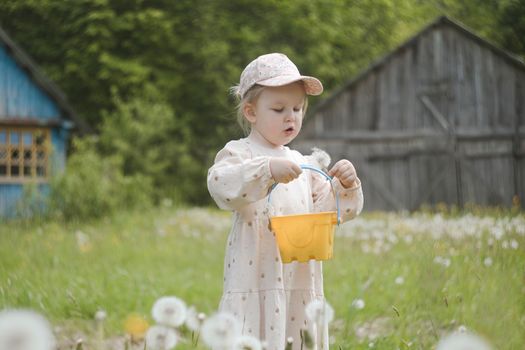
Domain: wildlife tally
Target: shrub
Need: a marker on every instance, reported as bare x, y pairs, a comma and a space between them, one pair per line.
93, 186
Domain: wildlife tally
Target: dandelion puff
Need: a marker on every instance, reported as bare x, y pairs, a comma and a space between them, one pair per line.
25, 330
160, 338
169, 311
400, 280
358, 304
220, 330
319, 312
514, 244
193, 319
487, 261
319, 158
100, 315
246, 342
463, 341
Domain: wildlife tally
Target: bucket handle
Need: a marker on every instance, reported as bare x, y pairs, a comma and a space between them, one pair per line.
328, 177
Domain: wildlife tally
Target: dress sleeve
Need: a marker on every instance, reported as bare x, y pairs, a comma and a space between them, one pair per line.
237, 179
350, 199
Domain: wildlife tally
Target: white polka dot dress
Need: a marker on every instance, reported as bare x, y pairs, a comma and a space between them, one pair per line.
267, 296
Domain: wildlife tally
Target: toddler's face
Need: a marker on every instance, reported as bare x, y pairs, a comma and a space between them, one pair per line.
278, 113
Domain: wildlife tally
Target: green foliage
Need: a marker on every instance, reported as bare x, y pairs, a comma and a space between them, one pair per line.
150, 140
192, 51
94, 186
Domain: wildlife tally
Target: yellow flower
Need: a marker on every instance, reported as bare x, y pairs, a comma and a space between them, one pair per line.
136, 326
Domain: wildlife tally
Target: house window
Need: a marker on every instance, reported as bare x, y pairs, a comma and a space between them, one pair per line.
23, 154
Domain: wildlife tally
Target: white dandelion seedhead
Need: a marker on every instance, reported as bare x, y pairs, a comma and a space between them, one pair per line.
319, 159
161, 338
399, 280
247, 342
442, 261
100, 315
220, 330
319, 312
82, 238
25, 330
194, 319
463, 341
358, 304
169, 311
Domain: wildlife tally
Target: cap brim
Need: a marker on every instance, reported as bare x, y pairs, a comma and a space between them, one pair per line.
312, 86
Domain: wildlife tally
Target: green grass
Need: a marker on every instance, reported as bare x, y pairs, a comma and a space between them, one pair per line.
131, 259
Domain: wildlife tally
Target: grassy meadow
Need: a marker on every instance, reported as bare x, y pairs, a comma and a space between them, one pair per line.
398, 280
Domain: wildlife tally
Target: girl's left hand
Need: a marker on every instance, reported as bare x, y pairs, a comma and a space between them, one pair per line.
345, 172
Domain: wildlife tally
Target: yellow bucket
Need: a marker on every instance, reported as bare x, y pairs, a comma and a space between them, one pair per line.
306, 236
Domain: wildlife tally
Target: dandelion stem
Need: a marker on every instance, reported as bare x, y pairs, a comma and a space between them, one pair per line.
434, 329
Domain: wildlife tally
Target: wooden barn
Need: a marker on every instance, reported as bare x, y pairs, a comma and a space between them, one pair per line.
440, 119
35, 123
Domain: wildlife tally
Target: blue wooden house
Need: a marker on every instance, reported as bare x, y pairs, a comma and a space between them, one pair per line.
35, 124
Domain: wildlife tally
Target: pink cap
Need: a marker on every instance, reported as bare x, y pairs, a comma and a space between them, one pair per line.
275, 69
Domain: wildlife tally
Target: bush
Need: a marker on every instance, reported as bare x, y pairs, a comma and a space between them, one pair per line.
93, 186
151, 141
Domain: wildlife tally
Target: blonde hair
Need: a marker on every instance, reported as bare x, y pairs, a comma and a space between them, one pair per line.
251, 96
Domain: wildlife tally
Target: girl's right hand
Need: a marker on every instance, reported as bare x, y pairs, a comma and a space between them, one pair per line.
284, 170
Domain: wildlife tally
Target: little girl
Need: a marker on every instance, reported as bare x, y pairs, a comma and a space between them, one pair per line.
267, 296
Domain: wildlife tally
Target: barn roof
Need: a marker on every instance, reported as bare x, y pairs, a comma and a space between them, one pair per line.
42, 80
442, 20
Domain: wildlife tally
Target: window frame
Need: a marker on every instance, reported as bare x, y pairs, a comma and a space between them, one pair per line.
34, 162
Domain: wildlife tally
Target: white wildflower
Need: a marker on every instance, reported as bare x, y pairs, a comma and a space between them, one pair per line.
193, 319
25, 330
220, 330
169, 311
488, 261
400, 280
319, 312
358, 304
246, 342
463, 341
514, 244
442, 261
160, 338
319, 159
83, 240
100, 315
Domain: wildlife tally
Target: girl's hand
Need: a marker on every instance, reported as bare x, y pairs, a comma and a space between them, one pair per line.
345, 172
284, 170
